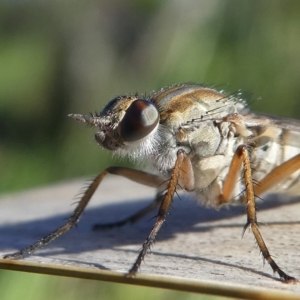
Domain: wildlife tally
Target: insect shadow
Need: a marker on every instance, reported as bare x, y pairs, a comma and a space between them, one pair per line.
184, 215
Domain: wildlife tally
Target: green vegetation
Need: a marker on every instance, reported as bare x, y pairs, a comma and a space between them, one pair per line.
50, 287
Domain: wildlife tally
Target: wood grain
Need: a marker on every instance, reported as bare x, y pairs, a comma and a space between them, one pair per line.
200, 249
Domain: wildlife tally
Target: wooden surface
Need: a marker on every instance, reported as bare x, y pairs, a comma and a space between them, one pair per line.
199, 249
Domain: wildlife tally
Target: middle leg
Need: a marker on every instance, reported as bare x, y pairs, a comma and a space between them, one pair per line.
241, 157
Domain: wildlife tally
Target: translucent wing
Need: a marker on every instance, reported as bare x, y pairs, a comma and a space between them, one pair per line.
261, 120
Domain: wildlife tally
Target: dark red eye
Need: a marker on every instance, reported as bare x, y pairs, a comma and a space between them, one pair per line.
140, 119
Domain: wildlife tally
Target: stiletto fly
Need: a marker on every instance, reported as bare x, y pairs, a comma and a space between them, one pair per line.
200, 140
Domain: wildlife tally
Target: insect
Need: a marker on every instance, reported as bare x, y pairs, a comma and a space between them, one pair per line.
197, 139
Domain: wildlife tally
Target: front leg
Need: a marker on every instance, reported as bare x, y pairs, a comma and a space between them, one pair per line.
182, 175
135, 175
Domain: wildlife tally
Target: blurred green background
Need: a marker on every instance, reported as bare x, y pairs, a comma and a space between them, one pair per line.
72, 56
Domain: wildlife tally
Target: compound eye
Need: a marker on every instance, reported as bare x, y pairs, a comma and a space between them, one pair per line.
140, 119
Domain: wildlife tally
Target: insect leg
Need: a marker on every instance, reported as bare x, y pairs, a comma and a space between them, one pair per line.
277, 175
181, 173
138, 176
133, 218
232, 177
251, 215
186, 181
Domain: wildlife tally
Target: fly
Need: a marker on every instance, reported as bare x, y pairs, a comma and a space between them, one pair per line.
200, 140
